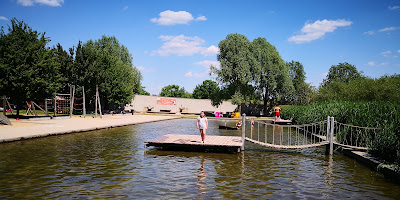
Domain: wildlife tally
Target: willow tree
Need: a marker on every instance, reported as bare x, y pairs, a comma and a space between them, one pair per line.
272, 79
236, 72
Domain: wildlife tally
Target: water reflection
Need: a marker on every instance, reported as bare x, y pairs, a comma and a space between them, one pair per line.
114, 164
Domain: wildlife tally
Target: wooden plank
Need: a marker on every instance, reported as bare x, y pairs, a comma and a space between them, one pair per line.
193, 142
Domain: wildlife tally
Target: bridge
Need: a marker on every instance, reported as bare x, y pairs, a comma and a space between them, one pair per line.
327, 133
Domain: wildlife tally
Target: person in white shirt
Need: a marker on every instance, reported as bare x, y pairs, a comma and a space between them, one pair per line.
202, 125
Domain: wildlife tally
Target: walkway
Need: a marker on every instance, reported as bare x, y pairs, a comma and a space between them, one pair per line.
26, 129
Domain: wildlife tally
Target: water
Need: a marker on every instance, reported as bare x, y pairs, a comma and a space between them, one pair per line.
113, 163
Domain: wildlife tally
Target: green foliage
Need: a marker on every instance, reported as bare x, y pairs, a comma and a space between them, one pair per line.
173, 91
142, 91
236, 61
377, 114
28, 69
252, 71
271, 81
206, 90
343, 73
304, 92
107, 63
386, 88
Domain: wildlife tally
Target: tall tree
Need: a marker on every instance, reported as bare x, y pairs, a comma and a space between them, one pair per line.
343, 72
304, 92
206, 90
173, 91
236, 72
272, 80
28, 69
107, 63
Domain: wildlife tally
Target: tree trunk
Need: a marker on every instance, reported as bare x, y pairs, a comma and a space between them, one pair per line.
265, 106
18, 107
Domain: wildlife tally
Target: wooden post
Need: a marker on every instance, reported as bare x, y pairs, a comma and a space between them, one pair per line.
328, 130
98, 99
46, 109
95, 103
331, 136
55, 105
4, 105
243, 130
71, 100
84, 102
34, 109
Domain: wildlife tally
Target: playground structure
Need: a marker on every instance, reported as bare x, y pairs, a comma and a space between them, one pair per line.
60, 104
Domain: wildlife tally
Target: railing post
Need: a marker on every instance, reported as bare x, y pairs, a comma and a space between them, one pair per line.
243, 130
331, 136
327, 137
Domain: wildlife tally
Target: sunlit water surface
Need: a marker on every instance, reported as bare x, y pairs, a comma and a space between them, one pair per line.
113, 163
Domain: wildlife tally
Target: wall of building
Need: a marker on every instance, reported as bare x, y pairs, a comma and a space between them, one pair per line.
141, 103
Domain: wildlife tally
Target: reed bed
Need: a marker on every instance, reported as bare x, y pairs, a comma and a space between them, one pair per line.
374, 114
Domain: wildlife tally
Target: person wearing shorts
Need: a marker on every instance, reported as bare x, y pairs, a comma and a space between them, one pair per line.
277, 113
202, 125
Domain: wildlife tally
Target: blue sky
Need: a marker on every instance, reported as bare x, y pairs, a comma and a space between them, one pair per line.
174, 42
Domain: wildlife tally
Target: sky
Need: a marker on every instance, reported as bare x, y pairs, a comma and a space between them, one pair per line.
175, 42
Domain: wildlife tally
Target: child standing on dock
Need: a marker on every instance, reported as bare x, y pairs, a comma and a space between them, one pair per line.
202, 125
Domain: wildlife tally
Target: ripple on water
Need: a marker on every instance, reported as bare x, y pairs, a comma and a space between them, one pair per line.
114, 164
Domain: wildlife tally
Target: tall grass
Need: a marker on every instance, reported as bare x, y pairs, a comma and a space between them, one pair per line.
377, 114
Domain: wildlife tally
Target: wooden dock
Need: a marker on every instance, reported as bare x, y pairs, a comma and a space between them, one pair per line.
194, 143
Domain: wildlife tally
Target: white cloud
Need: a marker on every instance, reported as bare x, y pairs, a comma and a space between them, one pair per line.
207, 63
324, 74
201, 18
318, 29
386, 53
144, 69
210, 51
125, 8
44, 2
392, 28
383, 64
189, 74
3, 18
398, 51
371, 63
394, 7
370, 32
183, 46
169, 17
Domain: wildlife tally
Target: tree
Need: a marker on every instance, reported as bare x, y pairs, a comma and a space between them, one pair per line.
172, 91
28, 69
272, 81
236, 71
142, 91
206, 90
108, 64
304, 92
343, 72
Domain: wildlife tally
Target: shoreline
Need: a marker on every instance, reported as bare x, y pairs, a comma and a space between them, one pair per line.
32, 129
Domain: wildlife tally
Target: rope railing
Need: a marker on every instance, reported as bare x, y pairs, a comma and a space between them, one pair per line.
286, 136
309, 135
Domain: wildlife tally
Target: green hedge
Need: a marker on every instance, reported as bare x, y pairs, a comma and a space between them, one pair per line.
377, 114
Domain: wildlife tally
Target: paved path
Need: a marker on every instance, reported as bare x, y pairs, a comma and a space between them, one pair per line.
26, 129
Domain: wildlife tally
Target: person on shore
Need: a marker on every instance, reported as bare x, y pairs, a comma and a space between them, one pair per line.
239, 124
202, 125
277, 110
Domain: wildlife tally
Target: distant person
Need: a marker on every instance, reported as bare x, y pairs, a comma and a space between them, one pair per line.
239, 124
202, 125
277, 110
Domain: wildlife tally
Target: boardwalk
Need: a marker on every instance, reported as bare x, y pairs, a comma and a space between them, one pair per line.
193, 143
